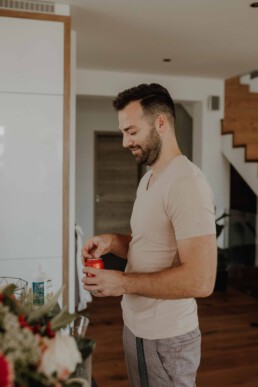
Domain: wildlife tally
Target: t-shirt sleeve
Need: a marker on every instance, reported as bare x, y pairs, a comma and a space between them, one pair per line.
190, 207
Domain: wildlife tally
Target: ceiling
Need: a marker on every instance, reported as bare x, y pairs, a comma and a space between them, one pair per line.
206, 38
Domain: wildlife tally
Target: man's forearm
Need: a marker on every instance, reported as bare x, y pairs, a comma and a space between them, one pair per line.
173, 283
120, 245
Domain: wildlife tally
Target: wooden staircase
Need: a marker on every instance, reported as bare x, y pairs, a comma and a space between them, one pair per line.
241, 117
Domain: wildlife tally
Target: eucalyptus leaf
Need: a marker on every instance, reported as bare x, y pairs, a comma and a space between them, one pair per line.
45, 309
25, 298
26, 309
62, 319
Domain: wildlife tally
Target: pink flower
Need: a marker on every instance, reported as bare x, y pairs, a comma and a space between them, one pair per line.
61, 355
6, 374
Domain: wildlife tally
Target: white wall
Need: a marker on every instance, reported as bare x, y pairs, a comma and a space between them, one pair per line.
206, 131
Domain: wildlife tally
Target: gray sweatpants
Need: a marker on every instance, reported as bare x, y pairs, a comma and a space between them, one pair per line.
171, 362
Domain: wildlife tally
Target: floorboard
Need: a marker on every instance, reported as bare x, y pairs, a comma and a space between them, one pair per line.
229, 342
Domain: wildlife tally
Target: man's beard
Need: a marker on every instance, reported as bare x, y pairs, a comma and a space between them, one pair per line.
150, 149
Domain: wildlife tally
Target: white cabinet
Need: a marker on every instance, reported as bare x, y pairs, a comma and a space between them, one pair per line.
31, 162
32, 56
31, 147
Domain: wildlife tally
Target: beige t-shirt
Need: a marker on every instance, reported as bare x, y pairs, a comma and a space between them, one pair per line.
178, 205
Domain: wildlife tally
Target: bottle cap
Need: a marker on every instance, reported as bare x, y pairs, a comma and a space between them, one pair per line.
40, 273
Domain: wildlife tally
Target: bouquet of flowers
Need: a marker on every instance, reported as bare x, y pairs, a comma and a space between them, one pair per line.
33, 352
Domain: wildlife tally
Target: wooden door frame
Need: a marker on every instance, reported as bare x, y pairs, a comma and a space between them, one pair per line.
66, 20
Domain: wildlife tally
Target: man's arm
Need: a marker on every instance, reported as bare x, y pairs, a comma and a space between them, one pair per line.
98, 245
195, 276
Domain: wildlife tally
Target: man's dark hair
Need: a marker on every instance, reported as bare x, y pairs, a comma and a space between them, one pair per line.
153, 98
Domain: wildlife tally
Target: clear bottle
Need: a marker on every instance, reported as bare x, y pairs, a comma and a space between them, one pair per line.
50, 291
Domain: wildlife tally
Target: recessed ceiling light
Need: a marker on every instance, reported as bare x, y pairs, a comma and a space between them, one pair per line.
254, 5
166, 60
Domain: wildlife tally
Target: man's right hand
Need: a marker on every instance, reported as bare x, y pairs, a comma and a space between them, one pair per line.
96, 246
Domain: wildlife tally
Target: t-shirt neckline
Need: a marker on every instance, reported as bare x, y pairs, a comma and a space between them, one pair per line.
147, 186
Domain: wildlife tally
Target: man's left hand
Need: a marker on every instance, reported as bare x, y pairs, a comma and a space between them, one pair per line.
105, 283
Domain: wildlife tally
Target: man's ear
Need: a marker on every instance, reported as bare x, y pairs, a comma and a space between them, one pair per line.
161, 123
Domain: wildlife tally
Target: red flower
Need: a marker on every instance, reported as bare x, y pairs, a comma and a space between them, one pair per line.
6, 374
36, 328
23, 323
49, 331
22, 319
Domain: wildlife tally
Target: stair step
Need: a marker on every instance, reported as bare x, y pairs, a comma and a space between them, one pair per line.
233, 91
252, 152
242, 91
235, 125
234, 104
251, 82
245, 114
244, 138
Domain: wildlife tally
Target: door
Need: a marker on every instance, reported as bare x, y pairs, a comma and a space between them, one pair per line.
116, 180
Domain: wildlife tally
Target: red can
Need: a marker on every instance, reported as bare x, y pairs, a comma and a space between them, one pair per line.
94, 262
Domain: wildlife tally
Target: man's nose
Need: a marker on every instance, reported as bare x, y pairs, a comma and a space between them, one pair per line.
127, 141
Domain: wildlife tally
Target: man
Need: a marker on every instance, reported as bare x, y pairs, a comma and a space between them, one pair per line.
171, 252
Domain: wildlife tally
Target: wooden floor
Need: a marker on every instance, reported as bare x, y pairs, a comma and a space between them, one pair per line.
229, 343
